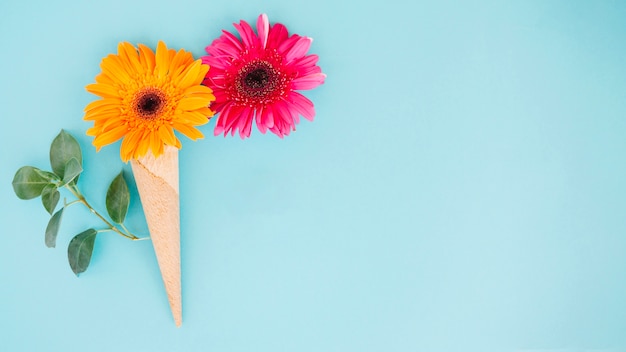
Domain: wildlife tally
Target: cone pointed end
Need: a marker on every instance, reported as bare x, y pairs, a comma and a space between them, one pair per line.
176, 305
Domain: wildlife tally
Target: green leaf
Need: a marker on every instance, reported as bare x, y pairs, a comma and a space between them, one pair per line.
64, 147
72, 170
48, 175
118, 198
80, 249
53, 228
28, 182
50, 197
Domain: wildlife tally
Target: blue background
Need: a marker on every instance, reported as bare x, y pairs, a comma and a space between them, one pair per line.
463, 187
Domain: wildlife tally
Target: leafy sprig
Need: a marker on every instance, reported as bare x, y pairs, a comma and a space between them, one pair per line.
66, 162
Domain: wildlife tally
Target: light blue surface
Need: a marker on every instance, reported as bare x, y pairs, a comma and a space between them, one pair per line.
463, 187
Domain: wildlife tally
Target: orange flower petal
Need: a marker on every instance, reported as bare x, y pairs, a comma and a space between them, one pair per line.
146, 55
105, 79
129, 52
129, 145
162, 60
112, 123
98, 104
206, 112
198, 89
191, 76
195, 118
93, 131
179, 60
193, 103
101, 115
189, 131
167, 135
110, 136
143, 143
156, 144
103, 90
112, 68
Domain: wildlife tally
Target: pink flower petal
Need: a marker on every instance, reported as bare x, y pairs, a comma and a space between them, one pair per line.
275, 130
206, 59
220, 124
248, 126
247, 34
263, 29
308, 60
245, 121
227, 43
268, 117
306, 65
278, 127
233, 116
286, 120
287, 44
303, 105
278, 34
308, 82
296, 117
230, 38
219, 129
223, 50
260, 123
299, 49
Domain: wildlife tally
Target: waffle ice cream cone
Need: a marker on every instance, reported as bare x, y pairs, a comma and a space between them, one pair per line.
157, 182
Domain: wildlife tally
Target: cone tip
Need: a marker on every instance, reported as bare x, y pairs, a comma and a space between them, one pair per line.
177, 314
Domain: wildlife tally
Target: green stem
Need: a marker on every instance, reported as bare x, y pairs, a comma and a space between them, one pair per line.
136, 238
81, 199
72, 202
124, 228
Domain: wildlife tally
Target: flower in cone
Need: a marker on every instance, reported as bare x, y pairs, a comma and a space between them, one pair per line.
145, 97
257, 78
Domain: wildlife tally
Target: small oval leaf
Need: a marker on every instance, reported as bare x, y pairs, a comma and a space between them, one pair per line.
72, 170
28, 183
53, 228
48, 175
80, 249
118, 199
64, 147
50, 197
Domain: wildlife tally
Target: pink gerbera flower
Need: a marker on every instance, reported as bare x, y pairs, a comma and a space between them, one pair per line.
257, 77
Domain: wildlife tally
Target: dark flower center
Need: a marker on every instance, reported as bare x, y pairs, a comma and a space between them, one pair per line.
257, 78
256, 81
149, 103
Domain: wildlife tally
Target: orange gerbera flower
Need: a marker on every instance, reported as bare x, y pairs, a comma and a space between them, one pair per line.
145, 97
